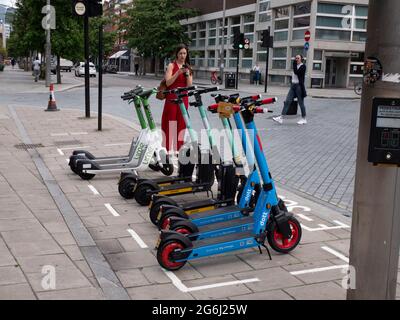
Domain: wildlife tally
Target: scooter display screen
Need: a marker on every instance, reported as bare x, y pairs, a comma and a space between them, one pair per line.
384, 144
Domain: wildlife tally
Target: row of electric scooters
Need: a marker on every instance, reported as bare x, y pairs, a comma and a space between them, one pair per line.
246, 211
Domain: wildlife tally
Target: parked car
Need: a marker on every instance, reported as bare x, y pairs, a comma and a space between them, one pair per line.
65, 65
80, 69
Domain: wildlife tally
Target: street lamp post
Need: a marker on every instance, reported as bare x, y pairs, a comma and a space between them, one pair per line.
48, 47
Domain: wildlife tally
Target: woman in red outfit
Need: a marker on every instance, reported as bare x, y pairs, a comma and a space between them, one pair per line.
178, 74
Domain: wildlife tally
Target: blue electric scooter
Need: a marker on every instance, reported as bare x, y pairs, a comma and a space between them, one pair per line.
271, 221
223, 215
226, 187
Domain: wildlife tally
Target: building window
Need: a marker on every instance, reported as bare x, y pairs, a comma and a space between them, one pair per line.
248, 18
331, 8
361, 11
235, 20
332, 22
302, 8
360, 36
264, 11
280, 36
318, 55
324, 34
200, 58
279, 64
317, 66
301, 22
296, 51
211, 58
282, 24
298, 34
280, 52
277, 79
281, 12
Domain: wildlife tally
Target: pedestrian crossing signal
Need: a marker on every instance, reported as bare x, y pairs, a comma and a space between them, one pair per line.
238, 40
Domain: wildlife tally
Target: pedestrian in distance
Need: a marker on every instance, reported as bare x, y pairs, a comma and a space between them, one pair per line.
13, 62
257, 74
136, 68
178, 74
297, 89
36, 68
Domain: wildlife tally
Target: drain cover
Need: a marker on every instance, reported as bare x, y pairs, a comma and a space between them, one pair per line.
25, 146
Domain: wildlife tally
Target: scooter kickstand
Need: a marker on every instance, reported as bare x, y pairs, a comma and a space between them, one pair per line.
259, 248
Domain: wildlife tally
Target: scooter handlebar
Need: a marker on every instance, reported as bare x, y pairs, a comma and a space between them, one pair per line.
131, 94
262, 110
179, 90
266, 101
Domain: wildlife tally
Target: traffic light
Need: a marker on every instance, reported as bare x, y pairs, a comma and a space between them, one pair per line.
238, 40
266, 39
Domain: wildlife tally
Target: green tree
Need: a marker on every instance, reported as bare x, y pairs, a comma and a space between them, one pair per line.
153, 26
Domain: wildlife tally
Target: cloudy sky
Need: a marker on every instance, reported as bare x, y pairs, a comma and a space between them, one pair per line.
7, 2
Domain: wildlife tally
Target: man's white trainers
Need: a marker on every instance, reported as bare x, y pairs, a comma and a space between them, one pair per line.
278, 119
302, 121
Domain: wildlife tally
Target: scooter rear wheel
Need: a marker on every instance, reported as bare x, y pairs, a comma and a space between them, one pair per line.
141, 195
276, 240
163, 223
164, 255
154, 211
126, 187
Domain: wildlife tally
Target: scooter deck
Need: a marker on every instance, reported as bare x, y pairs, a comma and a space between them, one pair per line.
213, 212
213, 241
184, 187
227, 224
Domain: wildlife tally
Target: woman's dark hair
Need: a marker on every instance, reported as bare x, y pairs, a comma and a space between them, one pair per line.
179, 48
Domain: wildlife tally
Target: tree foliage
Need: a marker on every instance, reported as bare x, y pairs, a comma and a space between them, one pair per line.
153, 26
67, 40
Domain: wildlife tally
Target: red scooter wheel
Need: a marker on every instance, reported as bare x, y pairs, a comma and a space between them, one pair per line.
280, 244
164, 252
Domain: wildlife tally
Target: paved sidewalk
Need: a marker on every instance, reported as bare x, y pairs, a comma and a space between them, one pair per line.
26, 83
35, 233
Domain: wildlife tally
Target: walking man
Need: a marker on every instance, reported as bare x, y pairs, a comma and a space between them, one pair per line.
297, 89
36, 68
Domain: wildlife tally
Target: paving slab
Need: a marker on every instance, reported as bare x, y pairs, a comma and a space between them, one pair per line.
87, 293
158, 292
21, 291
320, 291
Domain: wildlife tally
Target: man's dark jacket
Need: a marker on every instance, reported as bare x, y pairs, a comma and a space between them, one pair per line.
300, 73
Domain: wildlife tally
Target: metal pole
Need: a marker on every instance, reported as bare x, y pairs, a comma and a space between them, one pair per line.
266, 65
48, 47
222, 55
237, 69
100, 104
375, 232
87, 75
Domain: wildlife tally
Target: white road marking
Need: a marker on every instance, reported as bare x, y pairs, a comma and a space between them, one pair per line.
303, 217
59, 134
77, 133
178, 283
136, 237
323, 227
335, 253
117, 144
111, 209
60, 152
295, 273
95, 192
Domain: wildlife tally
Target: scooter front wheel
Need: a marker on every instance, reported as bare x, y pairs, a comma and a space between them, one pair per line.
163, 223
155, 210
164, 252
126, 187
276, 240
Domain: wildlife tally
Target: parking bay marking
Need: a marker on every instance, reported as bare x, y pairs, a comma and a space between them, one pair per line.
332, 251
136, 237
112, 210
95, 192
340, 225
178, 283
